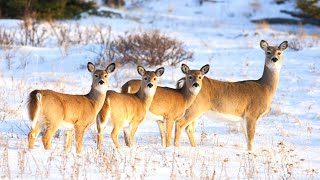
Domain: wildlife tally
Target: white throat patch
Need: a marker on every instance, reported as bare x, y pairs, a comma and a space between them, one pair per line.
195, 90
150, 91
101, 88
274, 66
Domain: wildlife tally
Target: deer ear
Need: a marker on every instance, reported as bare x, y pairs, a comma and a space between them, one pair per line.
205, 69
180, 83
263, 44
283, 46
141, 70
185, 69
159, 71
91, 67
111, 68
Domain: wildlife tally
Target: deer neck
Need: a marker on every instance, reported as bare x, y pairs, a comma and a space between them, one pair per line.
188, 96
97, 98
146, 99
270, 79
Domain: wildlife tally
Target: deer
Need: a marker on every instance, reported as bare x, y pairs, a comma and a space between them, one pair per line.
127, 111
169, 104
242, 101
53, 110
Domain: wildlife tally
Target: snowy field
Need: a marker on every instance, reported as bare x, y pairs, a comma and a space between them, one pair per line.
287, 139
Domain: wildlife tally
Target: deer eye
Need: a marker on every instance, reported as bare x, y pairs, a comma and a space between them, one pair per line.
279, 53
268, 52
96, 75
199, 77
154, 78
145, 78
105, 76
190, 77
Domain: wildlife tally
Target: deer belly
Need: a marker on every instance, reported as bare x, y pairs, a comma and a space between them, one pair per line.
223, 117
66, 125
153, 117
126, 123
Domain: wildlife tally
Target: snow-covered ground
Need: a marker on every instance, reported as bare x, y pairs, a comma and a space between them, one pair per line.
287, 139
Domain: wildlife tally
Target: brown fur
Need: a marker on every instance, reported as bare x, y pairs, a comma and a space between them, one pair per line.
170, 104
53, 110
248, 100
122, 108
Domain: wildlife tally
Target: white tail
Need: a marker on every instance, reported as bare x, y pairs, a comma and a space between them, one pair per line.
169, 104
248, 100
53, 110
128, 110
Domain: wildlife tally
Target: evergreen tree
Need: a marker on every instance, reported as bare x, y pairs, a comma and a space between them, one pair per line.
44, 9
310, 7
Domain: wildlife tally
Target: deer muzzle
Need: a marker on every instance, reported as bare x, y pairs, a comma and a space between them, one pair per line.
195, 84
274, 59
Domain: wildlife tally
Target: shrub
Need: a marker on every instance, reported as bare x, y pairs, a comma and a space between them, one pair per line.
149, 49
310, 7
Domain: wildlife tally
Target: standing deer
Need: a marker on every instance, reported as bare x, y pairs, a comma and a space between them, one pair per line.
53, 110
246, 100
169, 104
128, 110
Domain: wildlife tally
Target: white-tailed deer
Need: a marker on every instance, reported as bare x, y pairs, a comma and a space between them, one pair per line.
247, 101
53, 110
128, 110
169, 104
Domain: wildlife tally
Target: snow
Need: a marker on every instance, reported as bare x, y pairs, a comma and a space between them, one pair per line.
220, 34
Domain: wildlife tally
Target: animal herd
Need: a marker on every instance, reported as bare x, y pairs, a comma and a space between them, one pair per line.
195, 94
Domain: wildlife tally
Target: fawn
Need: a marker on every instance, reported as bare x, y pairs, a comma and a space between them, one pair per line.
53, 110
128, 110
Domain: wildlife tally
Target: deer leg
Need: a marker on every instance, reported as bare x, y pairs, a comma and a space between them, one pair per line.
251, 128
100, 135
47, 137
126, 135
102, 120
178, 130
162, 132
190, 132
169, 126
33, 134
68, 141
79, 137
114, 136
244, 127
134, 127
182, 124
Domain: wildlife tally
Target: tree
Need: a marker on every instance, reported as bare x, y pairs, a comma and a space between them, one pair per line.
47, 10
310, 7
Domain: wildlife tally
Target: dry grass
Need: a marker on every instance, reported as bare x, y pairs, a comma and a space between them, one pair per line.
214, 159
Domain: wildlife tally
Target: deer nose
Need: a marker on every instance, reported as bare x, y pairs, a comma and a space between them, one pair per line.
274, 59
195, 84
101, 82
150, 85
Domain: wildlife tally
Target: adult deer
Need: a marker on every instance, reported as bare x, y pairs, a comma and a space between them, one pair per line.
169, 104
128, 110
247, 101
53, 110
